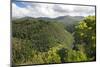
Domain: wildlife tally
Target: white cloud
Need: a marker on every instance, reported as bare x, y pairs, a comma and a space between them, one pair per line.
50, 10
19, 12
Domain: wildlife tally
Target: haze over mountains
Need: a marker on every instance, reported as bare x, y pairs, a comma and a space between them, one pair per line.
66, 19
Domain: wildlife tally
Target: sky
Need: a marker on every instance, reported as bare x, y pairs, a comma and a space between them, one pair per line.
31, 9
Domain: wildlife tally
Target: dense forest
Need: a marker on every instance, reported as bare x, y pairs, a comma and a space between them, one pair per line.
39, 41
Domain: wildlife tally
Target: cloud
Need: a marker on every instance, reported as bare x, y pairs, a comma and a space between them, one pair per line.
75, 10
57, 8
86, 10
17, 11
22, 9
28, 10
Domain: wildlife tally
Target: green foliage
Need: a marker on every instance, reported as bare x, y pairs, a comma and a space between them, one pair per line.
71, 55
42, 34
36, 41
62, 53
23, 53
75, 56
86, 34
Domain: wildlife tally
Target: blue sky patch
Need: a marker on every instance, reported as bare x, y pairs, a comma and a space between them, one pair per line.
20, 4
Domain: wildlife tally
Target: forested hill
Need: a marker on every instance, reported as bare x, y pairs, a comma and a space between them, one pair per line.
64, 19
43, 34
39, 41
68, 21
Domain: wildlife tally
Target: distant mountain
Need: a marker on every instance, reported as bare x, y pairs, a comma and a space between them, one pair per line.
69, 19
44, 18
65, 19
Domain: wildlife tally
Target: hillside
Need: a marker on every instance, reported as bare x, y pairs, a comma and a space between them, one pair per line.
34, 34
39, 41
64, 19
68, 21
41, 32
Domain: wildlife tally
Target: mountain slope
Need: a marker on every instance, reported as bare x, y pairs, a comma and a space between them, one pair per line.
68, 21
43, 34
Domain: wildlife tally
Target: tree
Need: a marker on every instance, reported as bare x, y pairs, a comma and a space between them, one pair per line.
75, 56
86, 34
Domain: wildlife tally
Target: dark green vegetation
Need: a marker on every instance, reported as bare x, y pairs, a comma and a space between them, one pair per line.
39, 41
68, 21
